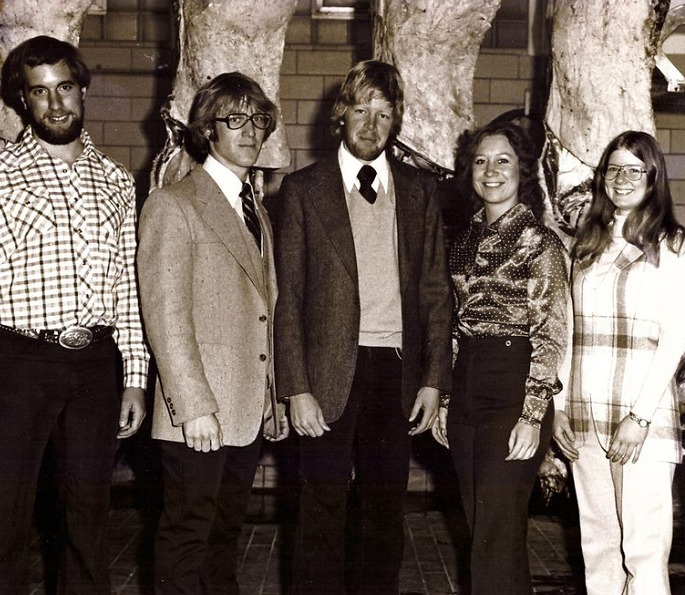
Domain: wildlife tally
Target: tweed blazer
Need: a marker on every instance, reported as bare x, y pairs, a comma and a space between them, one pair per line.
208, 298
317, 313
629, 335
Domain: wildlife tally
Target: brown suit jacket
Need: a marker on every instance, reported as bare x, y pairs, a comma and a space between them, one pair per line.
317, 314
208, 299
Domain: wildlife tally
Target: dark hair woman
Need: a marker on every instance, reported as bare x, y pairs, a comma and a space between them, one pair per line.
510, 279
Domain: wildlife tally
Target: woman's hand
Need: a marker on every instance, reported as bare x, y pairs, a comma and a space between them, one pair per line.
523, 442
564, 436
627, 441
439, 428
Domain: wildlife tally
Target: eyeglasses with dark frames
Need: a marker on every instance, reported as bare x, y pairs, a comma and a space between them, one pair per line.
236, 121
632, 172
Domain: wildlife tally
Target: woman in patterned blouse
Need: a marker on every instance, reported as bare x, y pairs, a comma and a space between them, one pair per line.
510, 281
619, 421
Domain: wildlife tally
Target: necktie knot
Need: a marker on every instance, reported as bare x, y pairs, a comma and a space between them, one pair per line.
366, 176
250, 214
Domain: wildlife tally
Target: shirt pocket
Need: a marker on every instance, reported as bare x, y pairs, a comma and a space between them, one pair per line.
111, 213
27, 216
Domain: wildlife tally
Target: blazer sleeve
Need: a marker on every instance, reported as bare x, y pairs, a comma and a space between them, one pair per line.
165, 270
291, 271
436, 302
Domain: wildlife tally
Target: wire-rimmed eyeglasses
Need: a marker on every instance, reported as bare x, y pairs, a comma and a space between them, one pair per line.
236, 121
632, 172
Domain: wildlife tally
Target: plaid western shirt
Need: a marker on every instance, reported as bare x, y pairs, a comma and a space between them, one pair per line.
68, 246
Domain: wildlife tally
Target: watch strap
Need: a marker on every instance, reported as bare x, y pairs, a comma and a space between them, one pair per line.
643, 423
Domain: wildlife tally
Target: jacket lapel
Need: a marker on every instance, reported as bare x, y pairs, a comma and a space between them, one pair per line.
628, 255
266, 260
408, 216
327, 194
225, 222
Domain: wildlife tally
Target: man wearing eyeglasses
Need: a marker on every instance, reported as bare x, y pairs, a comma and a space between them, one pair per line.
208, 291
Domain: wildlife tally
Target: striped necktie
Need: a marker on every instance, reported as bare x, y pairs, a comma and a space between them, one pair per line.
250, 214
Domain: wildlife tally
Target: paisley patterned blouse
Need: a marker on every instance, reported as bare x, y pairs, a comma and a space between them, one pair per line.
511, 279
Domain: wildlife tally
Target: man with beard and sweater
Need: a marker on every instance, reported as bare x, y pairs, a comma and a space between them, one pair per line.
362, 336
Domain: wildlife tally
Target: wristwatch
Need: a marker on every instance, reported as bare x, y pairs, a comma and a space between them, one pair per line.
643, 423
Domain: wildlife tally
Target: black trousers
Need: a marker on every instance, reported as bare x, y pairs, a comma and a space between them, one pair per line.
73, 396
489, 388
371, 437
205, 499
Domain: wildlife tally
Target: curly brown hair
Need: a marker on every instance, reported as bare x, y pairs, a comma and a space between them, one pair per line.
529, 192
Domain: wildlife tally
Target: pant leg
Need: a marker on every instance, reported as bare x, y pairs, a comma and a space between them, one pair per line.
29, 406
191, 484
502, 489
85, 445
218, 572
647, 520
319, 548
600, 527
382, 446
461, 441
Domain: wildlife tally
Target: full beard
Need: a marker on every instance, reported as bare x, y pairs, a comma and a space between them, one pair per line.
61, 136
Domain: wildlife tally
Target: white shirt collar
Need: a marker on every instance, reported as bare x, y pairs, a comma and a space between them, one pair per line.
350, 166
229, 184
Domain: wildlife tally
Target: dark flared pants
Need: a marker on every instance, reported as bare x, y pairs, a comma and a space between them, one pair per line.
487, 399
72, 396
205, 499
372, 435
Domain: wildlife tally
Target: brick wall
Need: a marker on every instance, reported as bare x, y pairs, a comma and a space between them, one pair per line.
131, 52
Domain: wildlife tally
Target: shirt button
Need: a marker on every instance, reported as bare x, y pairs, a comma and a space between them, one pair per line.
262, 357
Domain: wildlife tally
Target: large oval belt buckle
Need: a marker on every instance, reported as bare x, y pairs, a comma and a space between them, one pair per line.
75, 337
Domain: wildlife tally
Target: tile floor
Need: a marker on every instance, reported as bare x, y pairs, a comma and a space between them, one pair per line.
430, 566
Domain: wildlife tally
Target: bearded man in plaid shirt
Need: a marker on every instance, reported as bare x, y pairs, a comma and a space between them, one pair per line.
68, 305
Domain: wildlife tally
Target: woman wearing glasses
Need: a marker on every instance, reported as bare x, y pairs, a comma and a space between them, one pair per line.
618, 420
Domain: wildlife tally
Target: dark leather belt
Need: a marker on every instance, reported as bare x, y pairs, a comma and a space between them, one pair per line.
74, 337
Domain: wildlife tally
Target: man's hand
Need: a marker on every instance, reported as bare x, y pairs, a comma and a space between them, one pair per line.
203, 433
564, 436
524, 440
428, 401
132, 412
306, 415
439, 429
270, 432
627, 441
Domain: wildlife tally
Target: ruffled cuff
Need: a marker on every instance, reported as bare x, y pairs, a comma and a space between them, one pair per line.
538, 397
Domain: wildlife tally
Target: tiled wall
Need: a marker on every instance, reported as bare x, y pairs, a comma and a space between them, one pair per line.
131, 52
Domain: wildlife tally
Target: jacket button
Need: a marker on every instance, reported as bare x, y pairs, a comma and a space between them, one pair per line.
262, 318
262, 357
